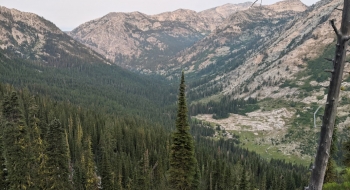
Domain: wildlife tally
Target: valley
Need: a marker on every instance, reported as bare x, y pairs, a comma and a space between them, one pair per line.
254, 77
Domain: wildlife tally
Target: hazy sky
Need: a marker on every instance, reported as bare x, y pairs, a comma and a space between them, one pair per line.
68, 14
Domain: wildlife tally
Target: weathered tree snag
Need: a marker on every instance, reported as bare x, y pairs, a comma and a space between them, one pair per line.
319, 169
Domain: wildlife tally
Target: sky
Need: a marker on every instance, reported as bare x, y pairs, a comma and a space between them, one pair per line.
69, 14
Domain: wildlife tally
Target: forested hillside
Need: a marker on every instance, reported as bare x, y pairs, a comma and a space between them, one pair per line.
123, 144
35, 54
99, 150
70, 119
102, 86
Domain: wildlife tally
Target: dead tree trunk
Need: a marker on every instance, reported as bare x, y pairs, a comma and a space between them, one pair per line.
319, 169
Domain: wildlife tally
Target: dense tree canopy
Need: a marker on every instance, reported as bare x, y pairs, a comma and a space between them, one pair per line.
98, 149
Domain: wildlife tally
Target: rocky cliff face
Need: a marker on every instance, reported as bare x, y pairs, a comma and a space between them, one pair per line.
135, 39
204, 21
261, 46
218, 14
237, 38
29, 36
143, 42
288, 5
275, 55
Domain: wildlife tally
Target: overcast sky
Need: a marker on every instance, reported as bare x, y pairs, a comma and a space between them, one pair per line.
68, 14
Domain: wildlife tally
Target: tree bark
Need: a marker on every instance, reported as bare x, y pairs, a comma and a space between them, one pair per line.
323, 151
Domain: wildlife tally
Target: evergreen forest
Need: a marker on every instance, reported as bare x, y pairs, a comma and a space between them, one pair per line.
50, 144
89, 126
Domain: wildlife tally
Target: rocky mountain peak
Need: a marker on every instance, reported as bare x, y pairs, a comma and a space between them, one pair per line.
222, 12
288, 5
12, 15
177, 15
29, 36
134, 37
121, 15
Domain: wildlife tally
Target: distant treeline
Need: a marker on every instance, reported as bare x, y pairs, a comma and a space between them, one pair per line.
224, 107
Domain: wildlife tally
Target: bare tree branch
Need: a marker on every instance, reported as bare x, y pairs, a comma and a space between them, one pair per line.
328, 59
329, 71
253, 3
331, 60
346, 38
315, 115
334, 27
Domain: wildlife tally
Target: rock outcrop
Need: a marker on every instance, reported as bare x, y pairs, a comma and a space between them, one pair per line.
29, 36
146, 42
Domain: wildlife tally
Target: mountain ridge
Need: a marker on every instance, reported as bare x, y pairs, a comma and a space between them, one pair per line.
144, 35
29, 36
284, 73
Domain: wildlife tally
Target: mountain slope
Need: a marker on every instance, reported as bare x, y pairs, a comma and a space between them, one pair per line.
135, 40
66, 70
218, 14
259, 51
244, 33
29, 36
101, 139
141, 42
283, 74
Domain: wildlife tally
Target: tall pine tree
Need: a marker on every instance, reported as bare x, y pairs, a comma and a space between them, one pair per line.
182, 160
106, 173
243, 184
57, 164
15, 142
38, 158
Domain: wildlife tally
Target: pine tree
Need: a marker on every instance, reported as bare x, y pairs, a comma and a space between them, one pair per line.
243, 184
15, 142
196, 180
143, 181
228, 179
3, 173
182, 160
291, 183
57, 164
263, 183
38, 157
106, 174
3, 183
89, 167
120, 182
282, 183
275, 185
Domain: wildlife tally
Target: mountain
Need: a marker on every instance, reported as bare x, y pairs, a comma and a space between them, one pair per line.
218, 14
36, 55
242, 31
266, 76
108, 120
255, 47
31, 37
204, 21
146, 42
257, 72
288, 5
